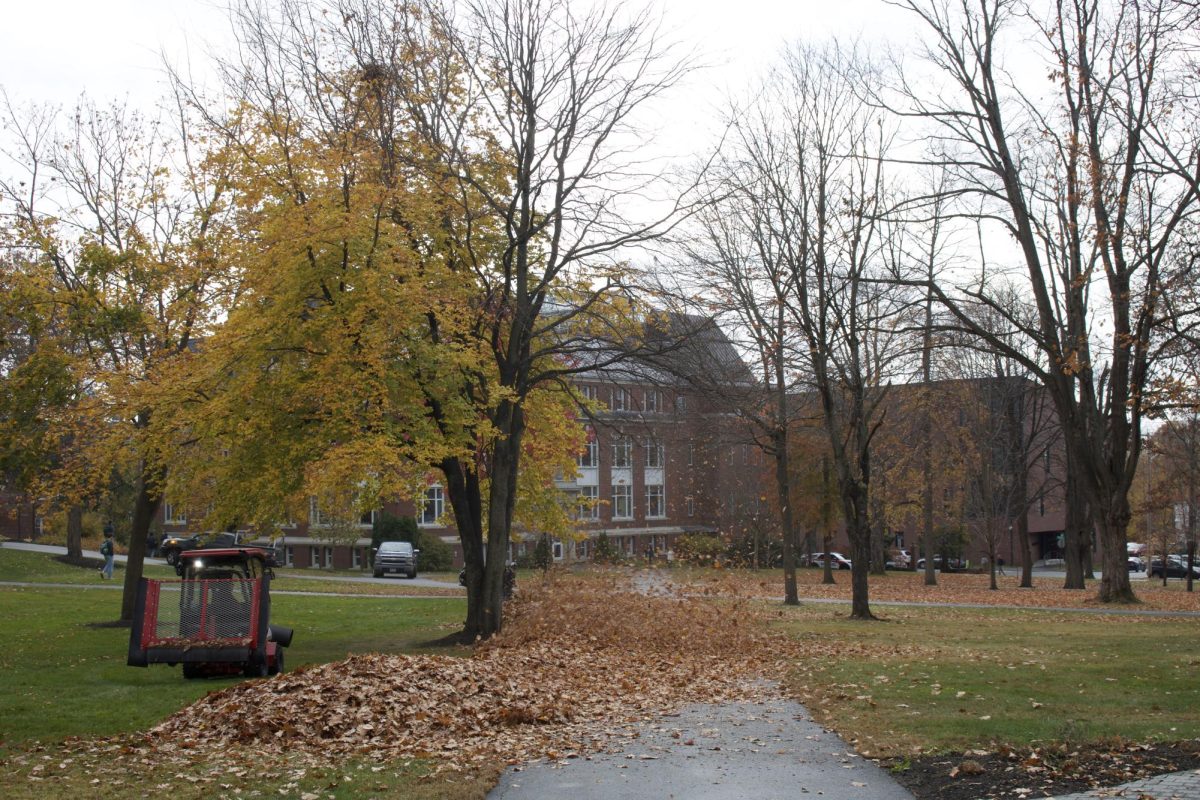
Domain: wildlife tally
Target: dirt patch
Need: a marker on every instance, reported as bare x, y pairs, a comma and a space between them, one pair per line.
1039, 772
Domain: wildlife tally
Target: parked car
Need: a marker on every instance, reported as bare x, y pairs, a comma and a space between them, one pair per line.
899, 559
1136, 564
838, 561
1176, 568
174, 544
396, 557
950, 565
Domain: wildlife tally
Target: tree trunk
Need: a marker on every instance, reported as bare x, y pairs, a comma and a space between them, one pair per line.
783, 487
858, 528
75, 534
1114, 578
463, 491
1026, 547
827, 566
1074, 531
502, 497
145, 507
992, 539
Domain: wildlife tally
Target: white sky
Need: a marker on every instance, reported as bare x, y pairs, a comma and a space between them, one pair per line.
52, 50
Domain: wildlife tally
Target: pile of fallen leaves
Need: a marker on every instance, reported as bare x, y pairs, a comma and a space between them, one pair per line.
577, 661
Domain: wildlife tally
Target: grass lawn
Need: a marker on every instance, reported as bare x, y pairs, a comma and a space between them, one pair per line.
952, 679
63, 677
32, 567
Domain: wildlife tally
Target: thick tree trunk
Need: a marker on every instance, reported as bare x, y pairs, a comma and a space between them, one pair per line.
145, 507
75, 534
463, 491
1114, 578
860, 554
502, 498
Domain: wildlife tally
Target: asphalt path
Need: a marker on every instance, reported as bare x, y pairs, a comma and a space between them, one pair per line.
770, 750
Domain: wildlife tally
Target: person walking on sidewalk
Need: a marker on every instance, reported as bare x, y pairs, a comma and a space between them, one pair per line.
106, 550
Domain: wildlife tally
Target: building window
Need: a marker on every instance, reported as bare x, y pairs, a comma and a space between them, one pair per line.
622, 451
367, 519
655, 454
328, 557
588, 507
558, 551
656, 506
433, 505
653, 400
680, 404
173, 514
590, 457
314, 557
745, 455
691, 506
623, 502
588, 392
289, 556
314, 513
620, 399
581, 549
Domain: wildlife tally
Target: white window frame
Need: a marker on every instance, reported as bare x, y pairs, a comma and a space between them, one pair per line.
169, 517
622, 503
653, 401
592, 510
590, 456
656, 454
355, 558
435, 502
556, 550
656, 491
621, 399
588, 392
622, 448
691, 453
289, 556
691, 506
328, 557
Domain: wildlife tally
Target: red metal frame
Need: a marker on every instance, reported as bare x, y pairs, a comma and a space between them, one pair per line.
150, 617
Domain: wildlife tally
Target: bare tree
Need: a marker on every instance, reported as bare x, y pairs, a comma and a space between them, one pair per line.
1094, 182
804, 192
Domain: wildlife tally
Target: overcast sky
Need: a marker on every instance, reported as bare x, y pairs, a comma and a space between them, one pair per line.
52, 50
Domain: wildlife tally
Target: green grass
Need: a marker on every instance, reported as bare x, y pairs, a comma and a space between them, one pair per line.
63, 677
31, 567
977, 677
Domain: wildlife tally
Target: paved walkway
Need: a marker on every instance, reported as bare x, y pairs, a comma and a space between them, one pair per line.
1173, 786
769, 750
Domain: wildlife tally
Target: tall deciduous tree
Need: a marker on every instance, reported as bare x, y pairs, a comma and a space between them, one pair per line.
1095, 178
115, 223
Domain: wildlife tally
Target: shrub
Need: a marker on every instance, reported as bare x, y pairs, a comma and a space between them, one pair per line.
436, 555
543, 556
605, 552
699, 548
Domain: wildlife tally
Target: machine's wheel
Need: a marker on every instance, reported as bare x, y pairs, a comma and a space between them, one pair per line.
192, 671
277, 667
172, 557
412, 574
255, 669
